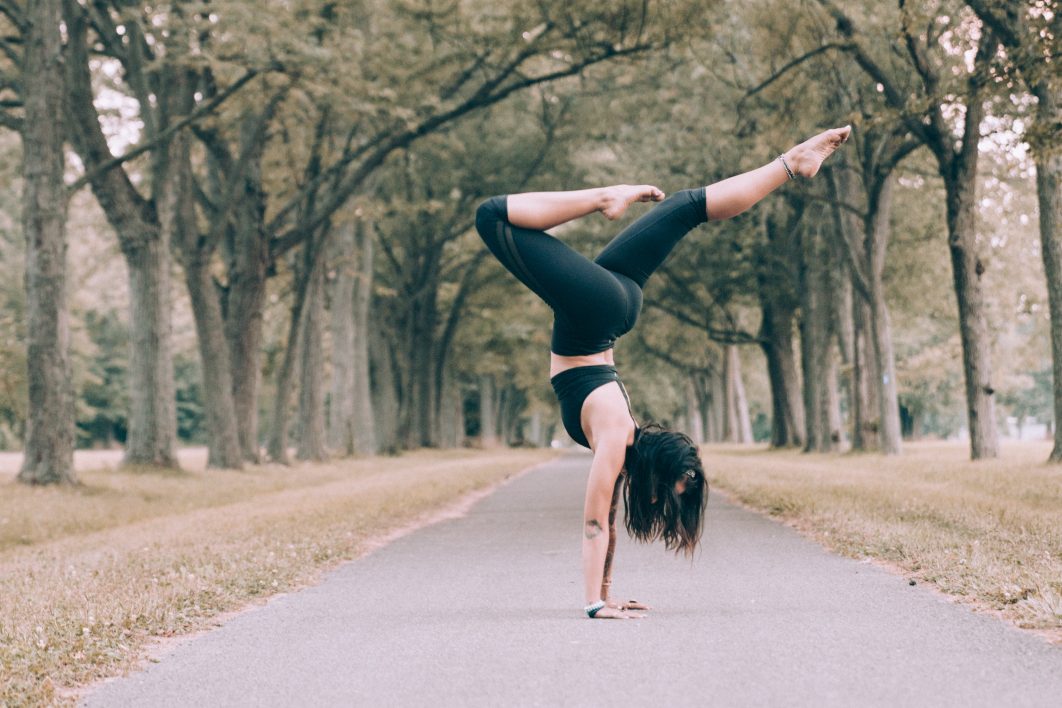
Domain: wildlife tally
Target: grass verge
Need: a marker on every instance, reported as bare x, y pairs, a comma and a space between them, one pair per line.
88, 576
988, 532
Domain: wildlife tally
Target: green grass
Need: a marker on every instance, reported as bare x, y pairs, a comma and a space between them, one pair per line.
988, 532
89, 575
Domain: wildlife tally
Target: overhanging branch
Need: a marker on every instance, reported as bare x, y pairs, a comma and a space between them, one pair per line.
195, 115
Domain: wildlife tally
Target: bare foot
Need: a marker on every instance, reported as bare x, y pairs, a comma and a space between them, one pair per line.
621, 196
807, 157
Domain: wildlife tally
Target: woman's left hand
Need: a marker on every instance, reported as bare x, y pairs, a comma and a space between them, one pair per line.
629, 605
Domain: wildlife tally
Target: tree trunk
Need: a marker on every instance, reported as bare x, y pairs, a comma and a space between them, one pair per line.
223, 442
740, 429
425, 387
384, 394
451, 421
694, 424
844, 324
833, 401
152, 436
351, 428
537, 433
280, 430
778, 302
488, 418
776, 334
311, 433
305, 275
973, 324
815, 342
867, 376
364, 414
341, 417
145, 245
49, 449
717, 406
249, 260
1049, 196
880, 322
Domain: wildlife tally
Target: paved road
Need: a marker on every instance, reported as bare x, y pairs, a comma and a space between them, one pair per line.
486, 611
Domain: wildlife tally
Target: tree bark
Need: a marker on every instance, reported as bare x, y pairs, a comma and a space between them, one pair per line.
973, 324
364, 415
776, 335
305, 278
778, 284
740, 423
488, 417
694, 424
866, 375
844, 324
815, 342
311, 433
1049, 196
223, 442
249, 263
451, 419
833, 401
384, 394
880, 214
49, 448
280, 429
341, 418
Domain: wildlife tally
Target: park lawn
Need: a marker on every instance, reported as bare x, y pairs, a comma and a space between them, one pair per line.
988, 532
89, 575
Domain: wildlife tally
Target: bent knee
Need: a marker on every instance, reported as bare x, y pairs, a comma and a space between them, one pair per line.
489, 214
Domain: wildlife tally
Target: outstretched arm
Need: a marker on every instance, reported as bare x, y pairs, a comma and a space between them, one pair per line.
600, 490
606, 581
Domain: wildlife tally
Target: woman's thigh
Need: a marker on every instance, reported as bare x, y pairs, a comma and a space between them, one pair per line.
570, 283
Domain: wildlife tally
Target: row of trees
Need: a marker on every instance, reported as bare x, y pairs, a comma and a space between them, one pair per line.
310, 174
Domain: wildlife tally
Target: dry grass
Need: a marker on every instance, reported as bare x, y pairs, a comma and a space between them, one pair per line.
988, 532
89, 575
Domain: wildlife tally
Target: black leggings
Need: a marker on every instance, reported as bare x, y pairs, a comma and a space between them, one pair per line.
593, 302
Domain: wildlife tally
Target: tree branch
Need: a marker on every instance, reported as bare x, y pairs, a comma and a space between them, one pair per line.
792, 65
1006, 28
673, 361
386, 144
722, 336
200, 112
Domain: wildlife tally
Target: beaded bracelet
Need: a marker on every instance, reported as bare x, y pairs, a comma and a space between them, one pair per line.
593, 608
786, 166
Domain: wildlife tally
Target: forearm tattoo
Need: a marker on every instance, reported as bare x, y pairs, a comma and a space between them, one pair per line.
593, 528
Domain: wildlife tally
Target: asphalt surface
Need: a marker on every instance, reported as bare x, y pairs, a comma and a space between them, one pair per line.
486, 610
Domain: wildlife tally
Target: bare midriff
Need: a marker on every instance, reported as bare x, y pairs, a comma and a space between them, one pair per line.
558, 363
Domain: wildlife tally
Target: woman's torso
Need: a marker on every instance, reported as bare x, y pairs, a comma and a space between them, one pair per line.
604, 410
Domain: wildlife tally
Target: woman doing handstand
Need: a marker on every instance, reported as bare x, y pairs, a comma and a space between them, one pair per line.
658, 471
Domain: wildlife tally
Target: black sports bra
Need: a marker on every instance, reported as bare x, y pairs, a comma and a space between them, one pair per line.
574, 385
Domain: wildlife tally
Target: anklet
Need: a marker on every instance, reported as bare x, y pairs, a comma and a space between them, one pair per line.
593, 608
786, 166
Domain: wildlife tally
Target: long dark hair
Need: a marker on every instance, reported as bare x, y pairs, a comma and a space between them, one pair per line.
656, 461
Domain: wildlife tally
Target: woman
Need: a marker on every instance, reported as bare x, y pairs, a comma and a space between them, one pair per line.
658, 470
